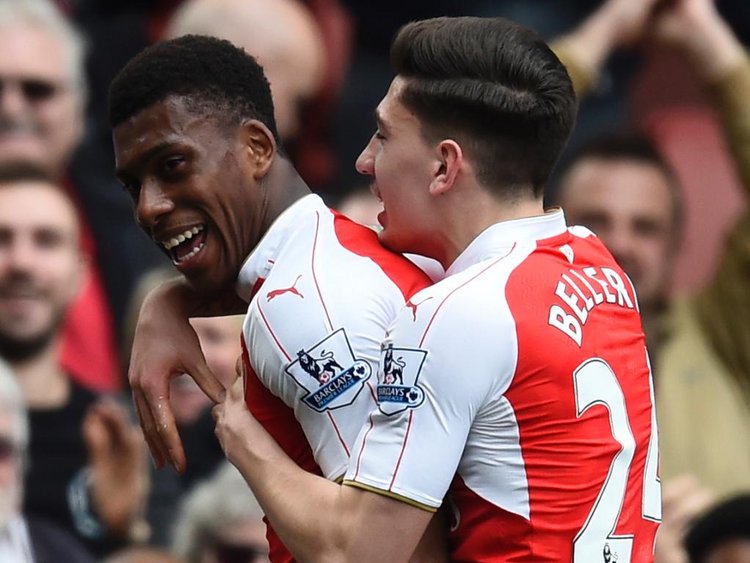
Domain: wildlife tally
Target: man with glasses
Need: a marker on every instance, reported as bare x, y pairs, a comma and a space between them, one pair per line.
41, 86
42, 103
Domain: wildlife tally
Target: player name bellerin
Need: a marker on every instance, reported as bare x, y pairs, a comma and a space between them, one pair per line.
580, 291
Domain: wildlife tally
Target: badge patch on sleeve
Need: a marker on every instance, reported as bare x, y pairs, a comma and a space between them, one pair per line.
397, 379
329, 372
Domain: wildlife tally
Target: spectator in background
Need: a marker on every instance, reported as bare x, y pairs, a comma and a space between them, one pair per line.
81, 448
221, 521
41, 122
623, 190
304, 45
23, 539
627, 194
722, 535
146, 554
281, 34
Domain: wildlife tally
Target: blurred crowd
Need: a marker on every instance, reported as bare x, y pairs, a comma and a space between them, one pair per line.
658, 167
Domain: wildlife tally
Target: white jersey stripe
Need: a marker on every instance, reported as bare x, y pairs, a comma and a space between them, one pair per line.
457, 288
338, 434
314, 271
403, 449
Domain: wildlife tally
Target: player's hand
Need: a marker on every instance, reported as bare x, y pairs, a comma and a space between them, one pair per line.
683, 499
164, 346
117, 462
232, 417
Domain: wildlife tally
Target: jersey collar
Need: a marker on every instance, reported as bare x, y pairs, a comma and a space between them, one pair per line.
259, 263
497, 239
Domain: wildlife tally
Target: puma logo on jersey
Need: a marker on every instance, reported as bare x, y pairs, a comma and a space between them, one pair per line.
413, 306
292, 289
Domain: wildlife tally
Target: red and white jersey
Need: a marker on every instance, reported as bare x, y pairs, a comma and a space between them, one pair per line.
520, 385
322, 293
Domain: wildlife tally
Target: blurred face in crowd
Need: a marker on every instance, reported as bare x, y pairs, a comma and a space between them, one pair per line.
281, 34
731, 551
628, 204
10, 471
40, 265
243, 541
40, 111
400, 165
220, 341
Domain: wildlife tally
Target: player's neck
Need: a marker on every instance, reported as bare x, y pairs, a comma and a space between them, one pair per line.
284, 186
466, 220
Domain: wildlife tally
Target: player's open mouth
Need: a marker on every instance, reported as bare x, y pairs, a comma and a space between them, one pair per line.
184, 246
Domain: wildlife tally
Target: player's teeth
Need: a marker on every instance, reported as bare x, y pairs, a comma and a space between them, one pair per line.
188, 234
190, 254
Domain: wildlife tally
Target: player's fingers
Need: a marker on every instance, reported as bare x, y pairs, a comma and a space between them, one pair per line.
166, 428
158, 453
206, 380
236, 393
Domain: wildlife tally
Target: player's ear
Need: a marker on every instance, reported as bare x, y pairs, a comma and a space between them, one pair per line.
450, 159
260, 146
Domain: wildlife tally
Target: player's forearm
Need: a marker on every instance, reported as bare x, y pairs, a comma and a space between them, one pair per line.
177, 295
303, 508
317, 519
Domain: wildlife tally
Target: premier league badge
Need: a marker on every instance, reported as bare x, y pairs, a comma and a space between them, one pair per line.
397, 379
330, 373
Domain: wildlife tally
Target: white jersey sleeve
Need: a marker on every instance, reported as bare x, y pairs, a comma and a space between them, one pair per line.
441, 365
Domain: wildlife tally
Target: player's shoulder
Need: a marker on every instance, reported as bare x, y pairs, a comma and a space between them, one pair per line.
470, 299
361, 241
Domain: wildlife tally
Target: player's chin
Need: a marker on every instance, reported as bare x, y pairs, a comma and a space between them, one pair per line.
206, 284
391, 241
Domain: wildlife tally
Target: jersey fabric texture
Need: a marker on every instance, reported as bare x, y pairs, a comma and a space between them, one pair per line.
322, 293
520, 385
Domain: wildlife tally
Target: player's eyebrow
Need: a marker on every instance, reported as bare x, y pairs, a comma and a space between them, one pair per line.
381, 123
123, 172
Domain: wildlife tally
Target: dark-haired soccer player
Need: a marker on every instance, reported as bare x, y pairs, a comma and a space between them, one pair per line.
518, 385
197, 149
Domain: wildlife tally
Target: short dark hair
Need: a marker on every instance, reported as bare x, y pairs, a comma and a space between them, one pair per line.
212, 75
494, 85
626, 144
633, 146
729, 520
